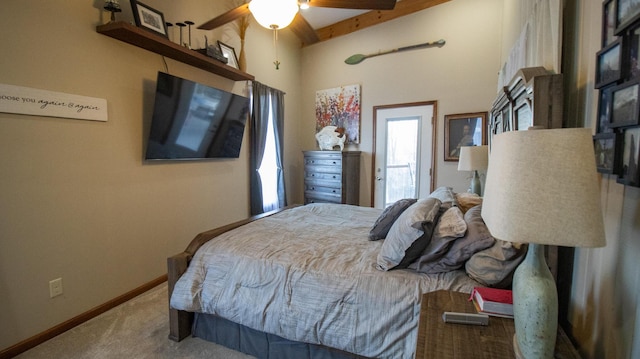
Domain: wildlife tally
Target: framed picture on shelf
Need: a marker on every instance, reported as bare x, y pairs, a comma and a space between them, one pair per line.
608, 22
605, 146
230, 53
624, 104
466, 129
609, 64
149, 18
627, 12
629, 173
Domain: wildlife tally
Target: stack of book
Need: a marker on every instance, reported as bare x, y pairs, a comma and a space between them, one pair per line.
492, 301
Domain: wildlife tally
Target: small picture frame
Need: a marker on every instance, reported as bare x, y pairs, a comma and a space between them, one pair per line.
608, 22
625, 108
629, 171
606, 149
632, 60
149, 18
609, 64
604, 110
627, 12
465, 129
230, 53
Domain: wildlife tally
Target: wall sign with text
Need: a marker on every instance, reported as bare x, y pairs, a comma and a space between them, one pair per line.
30, 101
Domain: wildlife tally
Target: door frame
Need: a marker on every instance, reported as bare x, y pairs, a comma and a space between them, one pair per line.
434, 137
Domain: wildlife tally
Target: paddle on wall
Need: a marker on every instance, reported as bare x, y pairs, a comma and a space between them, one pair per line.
358, 58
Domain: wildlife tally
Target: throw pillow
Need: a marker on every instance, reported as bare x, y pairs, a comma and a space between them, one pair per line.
387, 217
494, 266
408, 228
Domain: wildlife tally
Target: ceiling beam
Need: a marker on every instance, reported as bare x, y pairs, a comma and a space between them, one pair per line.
375, 17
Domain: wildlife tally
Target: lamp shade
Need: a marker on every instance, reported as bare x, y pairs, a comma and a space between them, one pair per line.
473, 158
274, 14
542, 187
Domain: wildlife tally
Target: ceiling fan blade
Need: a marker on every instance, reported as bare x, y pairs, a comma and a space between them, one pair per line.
227, 17
355, 4
303, 30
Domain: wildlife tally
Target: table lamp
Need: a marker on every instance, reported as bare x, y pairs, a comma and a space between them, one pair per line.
474, 158
541, 189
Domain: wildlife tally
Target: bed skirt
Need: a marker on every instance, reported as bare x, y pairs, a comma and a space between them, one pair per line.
259, 344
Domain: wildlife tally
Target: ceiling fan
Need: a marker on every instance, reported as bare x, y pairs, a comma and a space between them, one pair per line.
262, 9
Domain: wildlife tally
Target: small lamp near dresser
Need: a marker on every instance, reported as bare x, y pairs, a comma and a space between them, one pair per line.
474, 158
541, 188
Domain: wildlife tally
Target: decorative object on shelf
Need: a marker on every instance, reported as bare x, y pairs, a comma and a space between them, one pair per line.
474, 158
331, 136
229, 53
465, 129
112, 6
340, 107
189, 23
138, 37
243, 23
542, 189
358, 58
181, 25
149, 18
170, 28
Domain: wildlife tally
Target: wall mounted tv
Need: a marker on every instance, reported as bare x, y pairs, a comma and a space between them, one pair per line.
193, 121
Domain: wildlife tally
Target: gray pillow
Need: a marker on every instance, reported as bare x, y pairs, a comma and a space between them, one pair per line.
408, 228
444, 194
476, 239
387, 217
450, 226
495, 265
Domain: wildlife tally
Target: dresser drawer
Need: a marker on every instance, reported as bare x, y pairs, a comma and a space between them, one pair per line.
317, 197
322, 176
323, 189
319, 161
322, 169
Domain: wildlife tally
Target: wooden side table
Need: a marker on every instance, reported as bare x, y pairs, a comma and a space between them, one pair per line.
437, 339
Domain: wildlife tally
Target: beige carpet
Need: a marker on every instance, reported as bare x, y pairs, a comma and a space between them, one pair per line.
135, 329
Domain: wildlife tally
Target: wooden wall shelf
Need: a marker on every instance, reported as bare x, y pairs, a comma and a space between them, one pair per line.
133, 35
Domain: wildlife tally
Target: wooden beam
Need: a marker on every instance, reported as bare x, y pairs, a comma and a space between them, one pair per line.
371, 18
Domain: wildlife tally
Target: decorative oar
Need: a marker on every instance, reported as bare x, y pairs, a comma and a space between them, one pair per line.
358, 58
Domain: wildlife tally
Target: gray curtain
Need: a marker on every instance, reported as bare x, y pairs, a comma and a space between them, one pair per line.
265, 98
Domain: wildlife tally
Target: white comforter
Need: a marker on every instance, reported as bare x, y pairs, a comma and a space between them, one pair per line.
308, 274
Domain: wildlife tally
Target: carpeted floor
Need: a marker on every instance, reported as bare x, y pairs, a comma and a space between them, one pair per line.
135, 329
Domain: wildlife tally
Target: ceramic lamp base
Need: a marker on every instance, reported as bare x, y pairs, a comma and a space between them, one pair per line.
535, 307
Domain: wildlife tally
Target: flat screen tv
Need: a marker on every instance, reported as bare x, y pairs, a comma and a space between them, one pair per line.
192, 121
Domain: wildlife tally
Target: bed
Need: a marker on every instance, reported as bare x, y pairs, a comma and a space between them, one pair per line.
330, 280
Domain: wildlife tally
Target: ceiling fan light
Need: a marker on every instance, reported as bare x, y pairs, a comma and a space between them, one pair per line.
272, 14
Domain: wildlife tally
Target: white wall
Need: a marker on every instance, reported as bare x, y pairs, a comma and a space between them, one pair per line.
461, 76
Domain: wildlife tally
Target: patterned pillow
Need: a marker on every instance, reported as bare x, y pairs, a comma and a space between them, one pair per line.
408, 228
387, 217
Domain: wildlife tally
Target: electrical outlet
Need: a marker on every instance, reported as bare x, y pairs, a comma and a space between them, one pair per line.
55, 287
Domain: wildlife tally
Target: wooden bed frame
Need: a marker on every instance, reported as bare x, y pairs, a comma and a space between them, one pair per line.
180, 322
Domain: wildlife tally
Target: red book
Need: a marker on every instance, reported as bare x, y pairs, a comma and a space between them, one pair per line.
492, 301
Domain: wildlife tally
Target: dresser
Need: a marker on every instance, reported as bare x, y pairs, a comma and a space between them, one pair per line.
332, 177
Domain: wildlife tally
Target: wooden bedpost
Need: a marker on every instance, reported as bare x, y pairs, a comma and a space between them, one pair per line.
179, 321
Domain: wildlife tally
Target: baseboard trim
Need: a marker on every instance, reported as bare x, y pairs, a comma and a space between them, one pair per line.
37, 339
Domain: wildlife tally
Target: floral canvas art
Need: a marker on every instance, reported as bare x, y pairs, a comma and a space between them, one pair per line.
340, 107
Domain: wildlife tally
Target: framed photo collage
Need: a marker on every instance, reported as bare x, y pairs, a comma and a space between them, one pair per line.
617, 139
